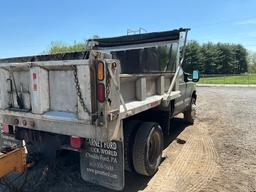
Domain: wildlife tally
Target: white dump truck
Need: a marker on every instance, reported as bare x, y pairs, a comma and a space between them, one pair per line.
111, 103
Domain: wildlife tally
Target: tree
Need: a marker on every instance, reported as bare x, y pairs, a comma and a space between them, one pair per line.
241, 59
225, 59
193, 58
220, 58
252, 62
209, 58
60, 47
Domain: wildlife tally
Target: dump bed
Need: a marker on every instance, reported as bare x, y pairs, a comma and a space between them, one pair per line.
66, 94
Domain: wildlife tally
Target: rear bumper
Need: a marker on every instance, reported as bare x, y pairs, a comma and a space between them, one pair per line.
51, 124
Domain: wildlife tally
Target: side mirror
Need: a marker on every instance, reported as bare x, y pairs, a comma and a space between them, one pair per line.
195, 76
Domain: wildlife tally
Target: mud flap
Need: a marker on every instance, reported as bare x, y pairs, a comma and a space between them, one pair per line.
102, 163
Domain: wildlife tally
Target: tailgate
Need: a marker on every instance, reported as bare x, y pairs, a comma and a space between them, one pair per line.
64, 97
32, 93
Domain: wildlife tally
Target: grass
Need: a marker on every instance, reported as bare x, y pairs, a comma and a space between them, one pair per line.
229, 79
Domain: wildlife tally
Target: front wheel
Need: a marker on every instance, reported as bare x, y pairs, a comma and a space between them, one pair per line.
147, 149
190, 113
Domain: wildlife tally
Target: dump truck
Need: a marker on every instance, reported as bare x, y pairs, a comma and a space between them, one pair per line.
112, 103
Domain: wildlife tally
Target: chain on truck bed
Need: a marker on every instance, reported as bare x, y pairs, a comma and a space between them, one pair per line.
77, 83
78, 90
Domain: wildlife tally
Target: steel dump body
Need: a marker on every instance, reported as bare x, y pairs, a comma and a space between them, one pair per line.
84, 101
51, 101
63, 113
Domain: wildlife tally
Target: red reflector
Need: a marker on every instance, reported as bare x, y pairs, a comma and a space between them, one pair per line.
75, 142
101, 92
5, 128
34, 75
34, 87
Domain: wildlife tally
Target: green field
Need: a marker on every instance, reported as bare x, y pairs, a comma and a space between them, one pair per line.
229, 79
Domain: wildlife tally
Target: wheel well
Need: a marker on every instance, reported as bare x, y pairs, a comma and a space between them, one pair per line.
194, 95
161, 117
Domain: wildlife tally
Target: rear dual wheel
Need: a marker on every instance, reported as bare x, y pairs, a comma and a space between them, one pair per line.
147, 148
131, 127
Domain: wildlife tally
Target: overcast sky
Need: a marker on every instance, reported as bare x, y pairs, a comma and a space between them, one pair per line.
28, 27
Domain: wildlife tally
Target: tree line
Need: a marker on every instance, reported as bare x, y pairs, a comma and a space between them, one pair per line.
220, 58
61, 47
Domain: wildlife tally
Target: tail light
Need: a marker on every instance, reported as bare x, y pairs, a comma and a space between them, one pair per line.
75, 142
5, 128
100, 71
101, 92
34, 76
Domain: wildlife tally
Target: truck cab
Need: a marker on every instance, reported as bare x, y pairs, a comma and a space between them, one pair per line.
187, 87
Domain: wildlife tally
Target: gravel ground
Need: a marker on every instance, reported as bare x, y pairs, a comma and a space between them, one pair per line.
230, 117
217, 153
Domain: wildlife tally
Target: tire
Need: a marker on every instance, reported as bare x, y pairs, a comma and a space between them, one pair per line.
130, 128
147, 149
190, 114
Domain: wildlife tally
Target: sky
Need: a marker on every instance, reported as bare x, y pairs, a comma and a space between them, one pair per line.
28, 27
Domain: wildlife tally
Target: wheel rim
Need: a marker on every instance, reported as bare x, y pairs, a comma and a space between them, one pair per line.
193, 109
154, 149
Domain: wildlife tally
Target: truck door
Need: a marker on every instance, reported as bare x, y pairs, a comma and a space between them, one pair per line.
189, 89
180, 102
